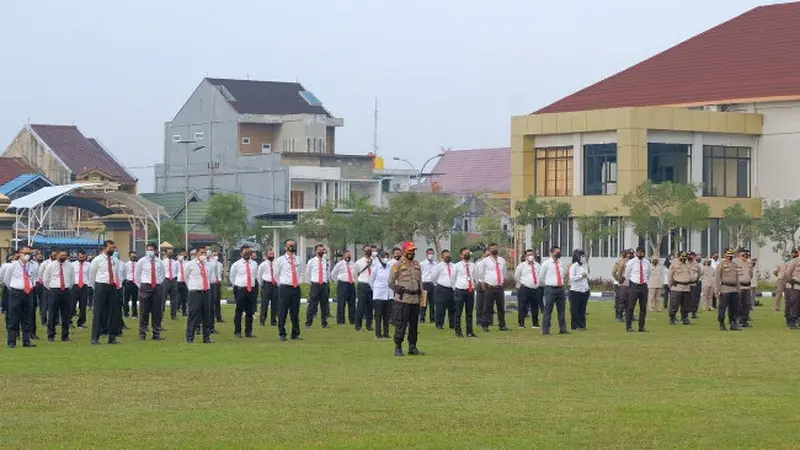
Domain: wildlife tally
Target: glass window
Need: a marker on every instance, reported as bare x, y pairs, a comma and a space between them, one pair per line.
600, 169
669, 162
610, 247
554, 172
560, 234
726, 171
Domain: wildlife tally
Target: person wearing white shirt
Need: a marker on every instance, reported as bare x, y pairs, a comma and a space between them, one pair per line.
169, 287
81, 289
382, 296
183, 291
201, 309
529, 293
637, 272
4, 302
364, 268
442, 276
58, 278
578, 291
130, 292
553, 275
216, 287
463, 282
245, 292
288, 272
20, 283
492, 272
40, 297
428, 285
344, 272
269, 290
319, 295
107, 312
479, 293
149, 277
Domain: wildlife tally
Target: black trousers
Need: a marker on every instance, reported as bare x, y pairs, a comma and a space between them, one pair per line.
269, 303
201, 313
169, 288
479, 295
494, 295
183, 297
345, 297
666, 295
745, 305
318, 297
577, 309
445, 304
383, 315
19, 315
405, 316
430, 289
130, 294
59, 305
682, 299
80, 299
245, 304
464, 303
636, 292
150, 300
729, 301
554, 297
364, 308
4, 300
289, 298
107, 313
216, 291
620, 299
695, 292
529, 300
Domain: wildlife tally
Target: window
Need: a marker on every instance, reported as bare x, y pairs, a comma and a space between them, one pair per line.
600, 169
726, 171
246, 140
669, 162
176, 138
554, 172
266, 148
466, 226
297, 200
198, 135
715, 239
560, 234
610, 247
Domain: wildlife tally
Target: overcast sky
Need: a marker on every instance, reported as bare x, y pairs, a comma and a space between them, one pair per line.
447, 73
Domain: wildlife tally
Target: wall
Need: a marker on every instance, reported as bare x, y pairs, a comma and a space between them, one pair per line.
26, 146
778, 145
259, 134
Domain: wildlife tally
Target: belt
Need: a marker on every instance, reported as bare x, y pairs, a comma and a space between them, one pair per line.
494, 286
555, 287
289, 286
444, 287
638, 284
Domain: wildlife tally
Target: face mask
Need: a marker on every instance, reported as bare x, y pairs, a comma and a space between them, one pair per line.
291, 249
409, 255
430, 257
529, 258
270, 258
110, 252
246, 256
385, 261
201, 258
493, 252
62, 259
150, 254
115, 254
683, 260
367, 254
25, 258
787, 259
347, 259
447, 259
556, 255
466, 256
397, 257
583, 260
320, 254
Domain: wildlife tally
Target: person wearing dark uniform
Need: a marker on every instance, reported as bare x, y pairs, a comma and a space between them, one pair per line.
364, 309
40, 295
442, 276
149, 279
621, 287
637, 274
317, 273
428, 285
269, 290
20, 282
107, 312
788, 279
695, 263
727, 285
681, 277
58, 278
479, 293
579, 291
245, 291
405, 280
81, 290
288, 272
464, 284
201, 309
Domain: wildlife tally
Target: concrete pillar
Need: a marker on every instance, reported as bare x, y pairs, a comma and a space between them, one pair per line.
696, 162
577, 164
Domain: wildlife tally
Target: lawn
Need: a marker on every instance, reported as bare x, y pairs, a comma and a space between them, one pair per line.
675, 387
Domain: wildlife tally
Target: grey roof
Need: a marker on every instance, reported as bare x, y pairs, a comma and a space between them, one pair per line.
265, 97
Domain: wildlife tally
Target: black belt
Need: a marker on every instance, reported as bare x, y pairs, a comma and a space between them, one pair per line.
639, 284
289, 286
444, 287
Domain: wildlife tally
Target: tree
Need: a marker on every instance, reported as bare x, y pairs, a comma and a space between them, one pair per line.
490, 225
594, 228
739, 224
365, 224
324, 224
171, 231
780, 223
260, 235
656, 210
401, 220
437, 213
227, 219
541, 216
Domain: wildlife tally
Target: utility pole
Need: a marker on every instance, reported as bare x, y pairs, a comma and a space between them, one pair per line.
375, 130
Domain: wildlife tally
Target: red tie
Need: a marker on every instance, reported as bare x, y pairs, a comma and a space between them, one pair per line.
183, 274
61, 275
294, 272
559, 281
449, 273
319, 264
497, 272
80, 275
349, 272
533, 272
469, 279
247, 276
26, 278
205, 277
272, 272
153, 272
369, 270
110, 271
641, 272
169, 261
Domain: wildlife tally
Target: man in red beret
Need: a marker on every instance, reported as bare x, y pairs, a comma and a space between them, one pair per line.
406, 282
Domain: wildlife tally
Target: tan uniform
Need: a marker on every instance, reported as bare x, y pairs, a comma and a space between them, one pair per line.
780, 284
708, 287
654, 287
621, 295
792, 291
405, 280
745, 291
727, 284
681, 277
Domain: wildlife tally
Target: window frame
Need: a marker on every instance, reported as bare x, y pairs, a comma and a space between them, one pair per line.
650, 156
268, 147
551, 158
245, 140
710, 159
604, 157
198, 135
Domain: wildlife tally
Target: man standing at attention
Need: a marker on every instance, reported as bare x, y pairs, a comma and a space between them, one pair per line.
107, 311
269, 290
492, 275
621, 285
19, 314
59, 278
317, 273
527, 276
216, 286
170, 286
553, 274
708, 286
405, 280
654, 286
149, 277
183, 293
81, 290
464, 285
130, 293
201, 310
442, 276
681, 277
288, 272
245, 291
727, 285
344, 273
780, 285
428, 285
364, 268
745, 287
637, 272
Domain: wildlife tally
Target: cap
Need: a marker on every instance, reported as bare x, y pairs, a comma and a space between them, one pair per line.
729, 252
408, 246
683, 254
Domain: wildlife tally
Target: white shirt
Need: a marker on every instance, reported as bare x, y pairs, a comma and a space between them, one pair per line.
39, 269
442, 274
143, 271
578, 278
632, 272
238, 273
427, 268
52, 275
283, 269
128, 270
487, 270
380, 283
98, 272
181, 277
264, 272
364, 268
170, 264
313, 270
194, 275
14, 275
77, 267
524, 276
461, 278
3, 268
714, 264
551, 272
214, 269
340, 273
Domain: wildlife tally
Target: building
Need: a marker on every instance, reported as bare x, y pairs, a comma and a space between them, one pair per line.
189, 211
732, 125
273, 142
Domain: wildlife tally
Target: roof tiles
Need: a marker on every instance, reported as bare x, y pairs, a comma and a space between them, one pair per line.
472, 171
11, 168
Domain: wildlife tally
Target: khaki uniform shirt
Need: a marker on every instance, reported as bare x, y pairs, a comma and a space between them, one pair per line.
406, 281
727, 277
746, 275
780, 271
681, 276
697, 269
656, 276
619, 271
708, 278
793, 273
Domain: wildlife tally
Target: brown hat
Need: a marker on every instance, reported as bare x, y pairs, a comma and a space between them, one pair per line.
683, 254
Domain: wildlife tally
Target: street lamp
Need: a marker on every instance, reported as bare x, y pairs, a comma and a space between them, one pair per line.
421, 171
186, 192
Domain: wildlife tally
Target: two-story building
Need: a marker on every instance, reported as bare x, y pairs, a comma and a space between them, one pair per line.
721, 109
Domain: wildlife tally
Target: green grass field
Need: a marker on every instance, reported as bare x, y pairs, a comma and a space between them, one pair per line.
675, 387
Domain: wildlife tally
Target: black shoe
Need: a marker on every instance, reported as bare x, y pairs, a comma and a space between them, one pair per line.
421, 320
142, 337
95, 342
135, 316
28, 344
629, 330
113, 341
746, 324
459, 334
190, 341
237, 335
325, 325
735, 327
686, 322
563, 332
485, 329
414, 351
35, 337
358, 328
283, 338
173, 318
51, 339
672, 321
157, 338
12, 345
297, 338
370, 329
208, 341
125, 327
506, 329
66, 339
398, 351
694, 316
162, 329
308, 326
473, 335
263, 324
722, 327
214, 331
440, 328
220, 320
274, 324
250, 336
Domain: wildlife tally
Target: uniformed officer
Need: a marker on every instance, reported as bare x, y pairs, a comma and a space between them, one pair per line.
780, 284
621, 288
707, 286
681, 277
792, 276
406, 282
745, 291
727, 285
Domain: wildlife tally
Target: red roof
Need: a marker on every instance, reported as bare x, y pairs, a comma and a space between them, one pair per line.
753, 56
11, 168
472, 171
81, 154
